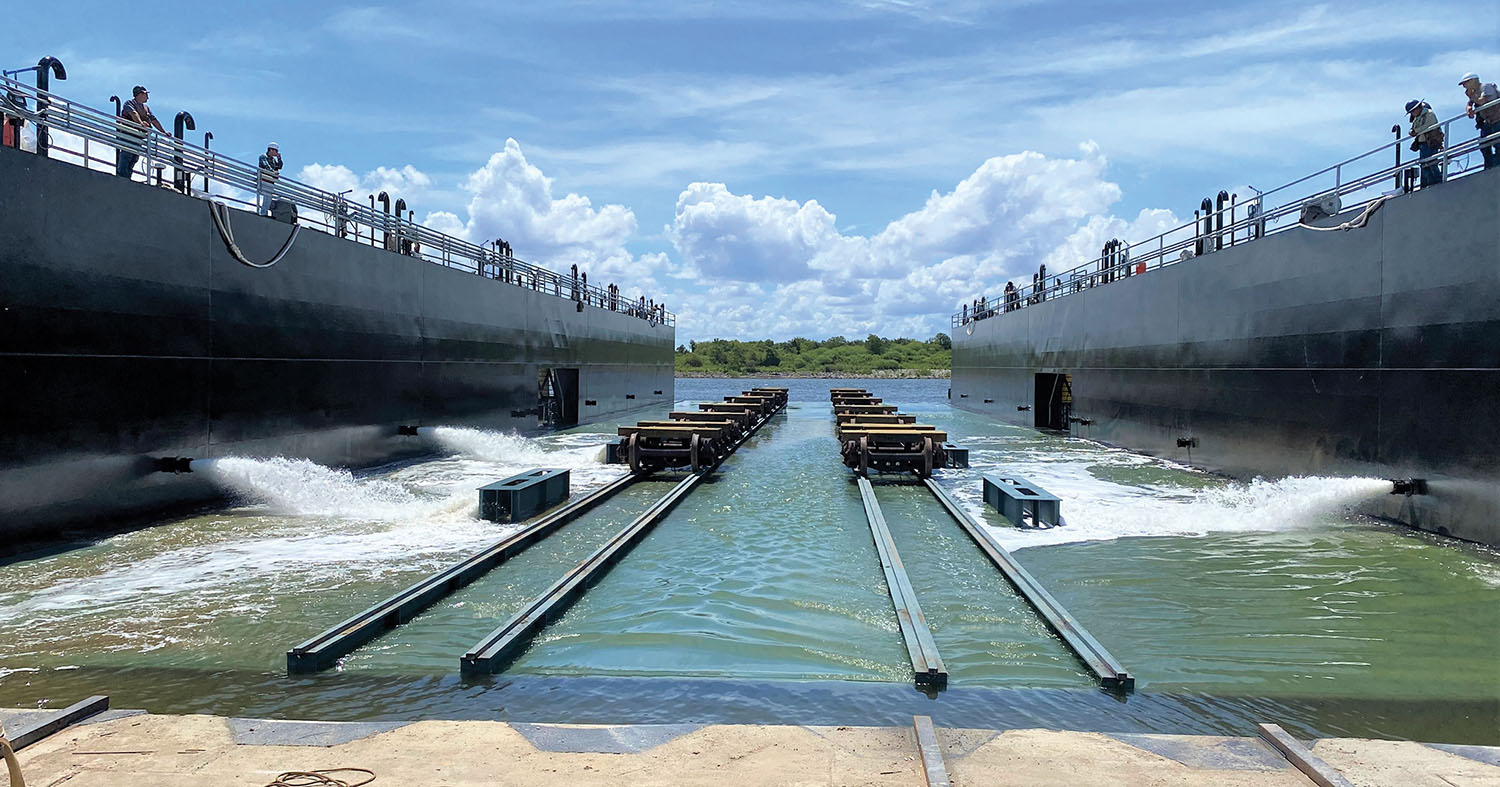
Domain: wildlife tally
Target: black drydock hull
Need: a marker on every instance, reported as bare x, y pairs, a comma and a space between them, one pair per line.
1369, 352
128, 332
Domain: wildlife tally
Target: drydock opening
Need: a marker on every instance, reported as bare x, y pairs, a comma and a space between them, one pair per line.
558, 392
1054, 401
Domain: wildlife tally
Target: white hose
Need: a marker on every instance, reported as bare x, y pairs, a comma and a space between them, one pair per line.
1358, 223
220, 213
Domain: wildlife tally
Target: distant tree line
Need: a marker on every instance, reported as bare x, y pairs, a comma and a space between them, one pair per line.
836, 355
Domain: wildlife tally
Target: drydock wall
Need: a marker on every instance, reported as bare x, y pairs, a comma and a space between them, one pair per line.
127, 331
1370, 352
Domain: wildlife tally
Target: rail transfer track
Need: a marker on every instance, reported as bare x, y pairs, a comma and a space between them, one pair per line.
698, 442
874, 436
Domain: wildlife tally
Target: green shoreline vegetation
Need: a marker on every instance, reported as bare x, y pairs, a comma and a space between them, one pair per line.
872, 356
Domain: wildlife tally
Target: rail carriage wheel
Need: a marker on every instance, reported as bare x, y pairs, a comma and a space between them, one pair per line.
633, 453
695, 449
864, 455
926, 457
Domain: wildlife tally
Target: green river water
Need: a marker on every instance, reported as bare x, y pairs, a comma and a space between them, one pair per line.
760, 597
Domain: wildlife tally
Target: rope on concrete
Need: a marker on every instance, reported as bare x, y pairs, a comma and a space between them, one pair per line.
1357, 223
11, 764
220, 213
321, 778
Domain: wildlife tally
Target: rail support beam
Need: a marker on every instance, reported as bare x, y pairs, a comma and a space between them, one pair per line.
926, 664
1111, 674
933, 768
28, 734
325, 649
1301, 757
503, 645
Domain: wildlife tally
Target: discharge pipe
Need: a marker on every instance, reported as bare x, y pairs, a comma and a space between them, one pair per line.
120, 107
174, 464
1219, 203
385, 203
400, 209
184, 120
46, 68
208, 136
1204, 243
1408, 486
1232, 199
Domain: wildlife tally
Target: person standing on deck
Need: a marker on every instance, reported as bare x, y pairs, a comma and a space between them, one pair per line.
1427, 140
270, 172
136, 111
1487, 119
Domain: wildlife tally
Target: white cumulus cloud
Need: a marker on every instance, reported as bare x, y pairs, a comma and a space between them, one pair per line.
756, 266
778, 267
512, 199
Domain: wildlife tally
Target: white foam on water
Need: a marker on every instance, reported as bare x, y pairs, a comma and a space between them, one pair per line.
509, 448
482, 456
314, 526
303, 488
228, 576
1123, 512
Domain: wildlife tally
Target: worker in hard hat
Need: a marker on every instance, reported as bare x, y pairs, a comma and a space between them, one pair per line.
1427, 140
1484, 107
270, 172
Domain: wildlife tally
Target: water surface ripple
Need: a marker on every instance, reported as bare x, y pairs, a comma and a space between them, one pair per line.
760, 598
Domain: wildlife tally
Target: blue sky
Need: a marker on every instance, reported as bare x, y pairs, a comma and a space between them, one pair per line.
782, 168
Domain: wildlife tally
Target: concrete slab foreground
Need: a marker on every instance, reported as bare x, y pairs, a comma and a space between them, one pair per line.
190, 751
615, 739
1048, 758
1371, 763
268, 732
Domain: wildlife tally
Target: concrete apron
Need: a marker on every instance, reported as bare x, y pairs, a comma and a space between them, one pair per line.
124, 747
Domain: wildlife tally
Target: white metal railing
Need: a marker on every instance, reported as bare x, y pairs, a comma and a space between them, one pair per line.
178, 163
1220, 225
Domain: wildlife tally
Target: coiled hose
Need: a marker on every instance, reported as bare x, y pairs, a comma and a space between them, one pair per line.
1358, 222
321, 778
220, 213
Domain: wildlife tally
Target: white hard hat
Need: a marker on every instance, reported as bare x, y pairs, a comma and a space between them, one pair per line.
1467, 77
272, 146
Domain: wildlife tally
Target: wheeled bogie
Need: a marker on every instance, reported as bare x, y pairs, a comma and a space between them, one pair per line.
893, 451
695, 446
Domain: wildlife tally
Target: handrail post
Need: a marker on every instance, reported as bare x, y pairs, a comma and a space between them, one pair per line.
1447, 145
1396, 129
